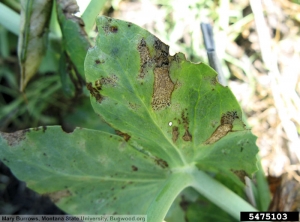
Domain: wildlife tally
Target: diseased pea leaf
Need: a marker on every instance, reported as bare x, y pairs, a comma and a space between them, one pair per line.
165, 106
83, 172
169, 116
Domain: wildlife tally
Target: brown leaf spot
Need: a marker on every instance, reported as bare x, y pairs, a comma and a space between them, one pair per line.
134, 168
163, 88
58, 195
185, 121
95, 92
219, 133
226, 126
40, 128
163, 85
110, 80
214, 81
15, 138
106, 28
187, 136
161, 56
113, 29
162, 163
145, 58
229, 117
124, 135
98, 61
175, 133
133, 106
98, 84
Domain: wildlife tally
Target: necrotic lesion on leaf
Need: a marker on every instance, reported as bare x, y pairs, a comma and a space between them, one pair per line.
124, 135
134, 168
225, 127
219, 133
113, 29
163, 85
145, 57
162, 163
187, 136
58, 195
185, 121
175, 134
15, 138
110, 80
94, 91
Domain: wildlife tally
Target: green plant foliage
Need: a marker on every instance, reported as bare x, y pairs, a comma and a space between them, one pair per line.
35, 17
91, 12
9, 19
75, 41
173, 122
165, 106
204, 210
84, 172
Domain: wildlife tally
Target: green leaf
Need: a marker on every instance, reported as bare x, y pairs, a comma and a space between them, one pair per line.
174, 123
263, 198
170, 108
35, 17
91, 12
75, 41
65, 73
83, 172
4, 43
9, 19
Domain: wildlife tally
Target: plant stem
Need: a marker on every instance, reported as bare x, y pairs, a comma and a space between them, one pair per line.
160, 206
219, 194
205, 185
